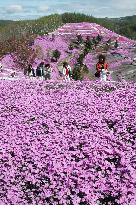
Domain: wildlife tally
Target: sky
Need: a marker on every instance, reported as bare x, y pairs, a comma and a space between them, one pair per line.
32, 9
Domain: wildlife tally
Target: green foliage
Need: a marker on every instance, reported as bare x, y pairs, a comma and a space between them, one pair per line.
73, 45
109, 41
81, 58
77, 17
116, 44
4, 23
11, 31
94, 41
79, 71
106, 47
56, 54
125, 26
85, 69
88, 45
98, 38
70, 73
8, 29
76, 75
41, 26
79, 39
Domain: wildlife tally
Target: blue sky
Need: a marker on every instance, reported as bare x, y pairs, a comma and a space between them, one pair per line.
31, 9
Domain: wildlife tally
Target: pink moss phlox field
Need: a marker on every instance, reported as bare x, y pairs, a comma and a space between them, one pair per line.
67, 144
63, 36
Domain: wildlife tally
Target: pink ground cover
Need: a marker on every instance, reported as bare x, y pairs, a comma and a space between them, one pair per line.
67, 144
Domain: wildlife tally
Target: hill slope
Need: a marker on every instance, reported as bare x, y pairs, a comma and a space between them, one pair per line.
124, 26
62, 38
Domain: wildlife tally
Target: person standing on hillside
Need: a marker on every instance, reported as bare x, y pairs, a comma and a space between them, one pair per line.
39, 70
66, 71
102, 68
33, 72
29, 70
47, 72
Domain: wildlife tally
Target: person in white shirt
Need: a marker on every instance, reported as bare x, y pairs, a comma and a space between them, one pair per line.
66, 71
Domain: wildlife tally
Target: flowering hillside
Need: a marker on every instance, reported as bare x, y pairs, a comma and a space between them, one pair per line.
74, 143
67, 144
64, 40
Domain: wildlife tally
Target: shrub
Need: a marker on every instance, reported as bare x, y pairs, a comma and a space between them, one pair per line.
79, 39
81, 58
116, 44
56, 55
76, 75
99, 38
85, 69
20, 48
88, 44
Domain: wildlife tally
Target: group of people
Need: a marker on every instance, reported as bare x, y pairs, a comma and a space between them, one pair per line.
42, 70
101, 69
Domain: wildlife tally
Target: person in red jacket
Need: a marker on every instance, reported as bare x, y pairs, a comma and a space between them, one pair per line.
102, 68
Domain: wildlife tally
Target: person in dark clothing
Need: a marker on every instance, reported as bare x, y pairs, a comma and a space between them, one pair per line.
25, 71
29, 70
39, 70
47, 73
33, 72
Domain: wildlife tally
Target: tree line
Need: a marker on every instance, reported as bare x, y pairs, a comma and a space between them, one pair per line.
8, 29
